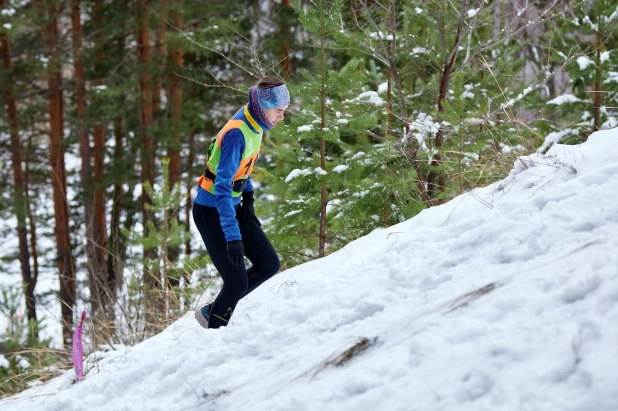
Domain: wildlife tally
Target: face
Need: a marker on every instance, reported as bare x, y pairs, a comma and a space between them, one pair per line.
275, 115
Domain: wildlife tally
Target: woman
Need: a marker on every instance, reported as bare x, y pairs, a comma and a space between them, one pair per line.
230, 230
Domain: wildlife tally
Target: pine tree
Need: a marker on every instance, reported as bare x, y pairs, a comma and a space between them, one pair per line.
319, 171
168, 234
586, 47
24, 355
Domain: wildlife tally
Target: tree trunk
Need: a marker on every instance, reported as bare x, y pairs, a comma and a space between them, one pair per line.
433, 180
116, 248
410, 150
497, 19
436, 181
173, 149
389, 109
323, 196
284, 39
32, 223
114, 262
19, 203
411, 64
65, 262
151, 275
82, 132
189, 201
191, 179
99, 151
159, 55
145, 114
101, 298
596, 86
422, 70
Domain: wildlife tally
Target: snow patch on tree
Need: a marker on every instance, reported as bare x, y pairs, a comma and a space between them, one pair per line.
565, 98
612, 77
519, 97
584, 62
370, 97
593, 26
295, 173
380, 35
424, 127
293, 212
305, 128
319, 171
8, 12
419, 50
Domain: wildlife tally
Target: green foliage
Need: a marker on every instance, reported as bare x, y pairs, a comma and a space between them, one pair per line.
23, 357
367, 182
297, 179
586, 46
161, 237
377, 184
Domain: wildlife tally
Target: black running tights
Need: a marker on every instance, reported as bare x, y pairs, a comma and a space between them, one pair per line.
237, 281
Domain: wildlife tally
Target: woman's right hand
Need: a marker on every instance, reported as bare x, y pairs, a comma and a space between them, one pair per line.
235, 252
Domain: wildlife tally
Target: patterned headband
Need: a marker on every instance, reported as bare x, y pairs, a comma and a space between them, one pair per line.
274, 97
260, 100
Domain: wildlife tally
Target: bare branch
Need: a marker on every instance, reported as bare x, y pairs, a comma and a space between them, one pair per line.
494, 41
441, 32
216, 51
376, 28
472, 29
459, 36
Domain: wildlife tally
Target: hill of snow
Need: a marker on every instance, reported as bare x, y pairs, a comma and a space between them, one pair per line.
505, 298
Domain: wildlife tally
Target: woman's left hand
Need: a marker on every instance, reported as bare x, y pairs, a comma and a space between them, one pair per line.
246, 209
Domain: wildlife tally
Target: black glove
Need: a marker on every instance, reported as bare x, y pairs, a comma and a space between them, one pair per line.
235, 252
247, 210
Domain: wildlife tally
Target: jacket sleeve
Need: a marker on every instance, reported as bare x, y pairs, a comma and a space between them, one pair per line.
232, 146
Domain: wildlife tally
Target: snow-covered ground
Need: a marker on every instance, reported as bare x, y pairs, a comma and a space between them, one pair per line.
505, 298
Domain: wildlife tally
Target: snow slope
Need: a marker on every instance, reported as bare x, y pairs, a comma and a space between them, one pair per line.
505, 298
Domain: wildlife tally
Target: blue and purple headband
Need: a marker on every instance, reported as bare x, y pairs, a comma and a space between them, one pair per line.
267, 99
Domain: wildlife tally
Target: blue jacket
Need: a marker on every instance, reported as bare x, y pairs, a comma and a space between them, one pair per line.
231, 153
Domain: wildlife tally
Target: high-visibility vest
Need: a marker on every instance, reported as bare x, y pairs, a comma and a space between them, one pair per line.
253, 141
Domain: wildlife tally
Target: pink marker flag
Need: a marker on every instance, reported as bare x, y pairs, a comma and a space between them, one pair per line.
78, 352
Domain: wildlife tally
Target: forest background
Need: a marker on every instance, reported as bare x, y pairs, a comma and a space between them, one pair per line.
108, 108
